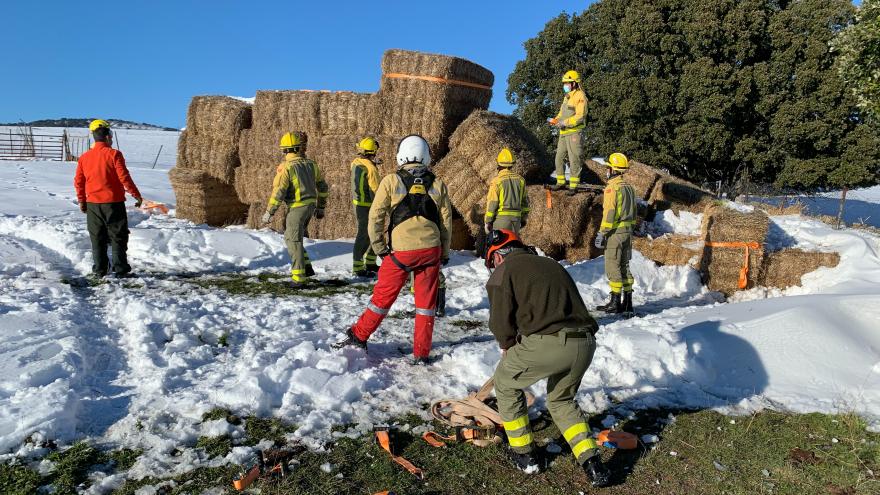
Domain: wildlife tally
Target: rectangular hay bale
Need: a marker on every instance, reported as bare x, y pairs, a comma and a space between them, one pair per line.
720, 266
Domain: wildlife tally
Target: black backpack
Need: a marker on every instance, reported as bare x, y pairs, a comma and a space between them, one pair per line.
416, 203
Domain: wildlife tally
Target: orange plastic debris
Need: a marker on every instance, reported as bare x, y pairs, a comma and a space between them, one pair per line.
618, 439
246, 480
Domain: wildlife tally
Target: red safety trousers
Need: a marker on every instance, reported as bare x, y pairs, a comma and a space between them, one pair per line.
425, 264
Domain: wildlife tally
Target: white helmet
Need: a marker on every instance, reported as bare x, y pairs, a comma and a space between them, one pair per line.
413, 149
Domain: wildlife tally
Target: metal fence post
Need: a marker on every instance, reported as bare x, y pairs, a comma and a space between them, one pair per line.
840, 211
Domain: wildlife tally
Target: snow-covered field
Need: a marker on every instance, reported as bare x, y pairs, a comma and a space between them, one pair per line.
137, 363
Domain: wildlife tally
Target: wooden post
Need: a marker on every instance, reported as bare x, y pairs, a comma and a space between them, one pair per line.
840, 211
157, 156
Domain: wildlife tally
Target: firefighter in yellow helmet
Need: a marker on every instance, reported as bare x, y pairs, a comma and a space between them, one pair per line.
364, 183
300, 187
615, 235
507, 204
571, 121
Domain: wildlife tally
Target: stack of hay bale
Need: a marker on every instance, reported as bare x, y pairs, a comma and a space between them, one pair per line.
661, 190
670, 249
721, 266
207, 157
419, 93
564, 230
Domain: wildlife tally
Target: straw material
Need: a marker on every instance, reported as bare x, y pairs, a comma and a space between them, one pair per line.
660, 189
786, 267
210, 141
720, 266
204, 199
670, 249
568, 228
432, 109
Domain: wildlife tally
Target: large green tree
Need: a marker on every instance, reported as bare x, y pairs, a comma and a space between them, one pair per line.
859, 48
710, 89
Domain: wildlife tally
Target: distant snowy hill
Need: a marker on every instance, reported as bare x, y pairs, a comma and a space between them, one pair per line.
72, 122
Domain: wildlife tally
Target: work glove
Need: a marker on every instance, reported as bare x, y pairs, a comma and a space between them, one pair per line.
83, 208
385, 252
138, 202
266, 218
553, 121
600, 240
319, 213
487, 227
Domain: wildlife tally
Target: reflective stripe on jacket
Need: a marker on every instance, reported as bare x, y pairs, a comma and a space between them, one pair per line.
507, 196
573, 112
364, 182
102, 177
298, 182
417, 232
618, 206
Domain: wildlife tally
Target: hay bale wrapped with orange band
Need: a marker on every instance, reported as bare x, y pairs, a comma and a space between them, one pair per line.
734, 250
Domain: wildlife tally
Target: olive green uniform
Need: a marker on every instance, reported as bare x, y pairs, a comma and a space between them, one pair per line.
300, 186
618, 220
539, 318
364, 182
507, 204
572, 115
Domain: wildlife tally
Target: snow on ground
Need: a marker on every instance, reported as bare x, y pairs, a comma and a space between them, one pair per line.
137, 363
860, 206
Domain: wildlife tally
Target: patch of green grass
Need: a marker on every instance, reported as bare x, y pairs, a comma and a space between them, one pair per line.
221, 413
72, 466
468, 324
713, 456
223, 341
266, 284
258, 429
191, 483
124, 459
215, 446
18, 480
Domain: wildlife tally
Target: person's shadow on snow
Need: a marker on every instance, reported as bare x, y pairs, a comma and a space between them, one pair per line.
722, 369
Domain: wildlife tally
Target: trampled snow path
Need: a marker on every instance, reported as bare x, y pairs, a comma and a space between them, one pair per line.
136, 363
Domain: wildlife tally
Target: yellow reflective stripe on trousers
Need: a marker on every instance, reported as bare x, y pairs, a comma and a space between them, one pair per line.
509, 214
522, 441
583, 446
560, 179
517, 424
616, 287
574, 431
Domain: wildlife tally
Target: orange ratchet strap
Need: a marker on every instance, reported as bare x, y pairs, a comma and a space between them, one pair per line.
383, 437
744, 272
152, 205
618, 439
442, 80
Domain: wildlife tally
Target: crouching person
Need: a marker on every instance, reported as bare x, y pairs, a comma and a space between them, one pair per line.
544, 331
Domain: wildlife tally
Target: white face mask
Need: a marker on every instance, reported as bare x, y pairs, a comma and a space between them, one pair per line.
566, 88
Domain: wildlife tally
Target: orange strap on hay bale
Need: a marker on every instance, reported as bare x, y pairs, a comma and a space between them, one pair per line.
442, 80
384, 439
152, 205
549, 198
744, 272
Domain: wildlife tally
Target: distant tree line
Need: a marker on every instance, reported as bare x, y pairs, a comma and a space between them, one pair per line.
713, 90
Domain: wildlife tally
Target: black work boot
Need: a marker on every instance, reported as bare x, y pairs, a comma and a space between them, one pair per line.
571, 192
597, 472
441, 302
628, 303
310, 272
614, 305
350, 340
526, 463
557, 187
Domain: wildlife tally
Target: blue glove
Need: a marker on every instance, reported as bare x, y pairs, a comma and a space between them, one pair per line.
600, 240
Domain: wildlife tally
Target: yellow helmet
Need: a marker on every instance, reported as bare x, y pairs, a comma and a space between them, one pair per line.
505, 158
98, 124
571, 76
618, 161
292, 140
368, 146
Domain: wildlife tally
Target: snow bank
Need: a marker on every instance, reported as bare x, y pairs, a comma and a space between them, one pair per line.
137, 364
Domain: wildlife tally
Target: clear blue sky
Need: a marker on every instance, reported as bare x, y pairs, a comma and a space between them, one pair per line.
143, 61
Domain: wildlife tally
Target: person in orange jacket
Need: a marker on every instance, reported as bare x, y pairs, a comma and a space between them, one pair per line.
101, 181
